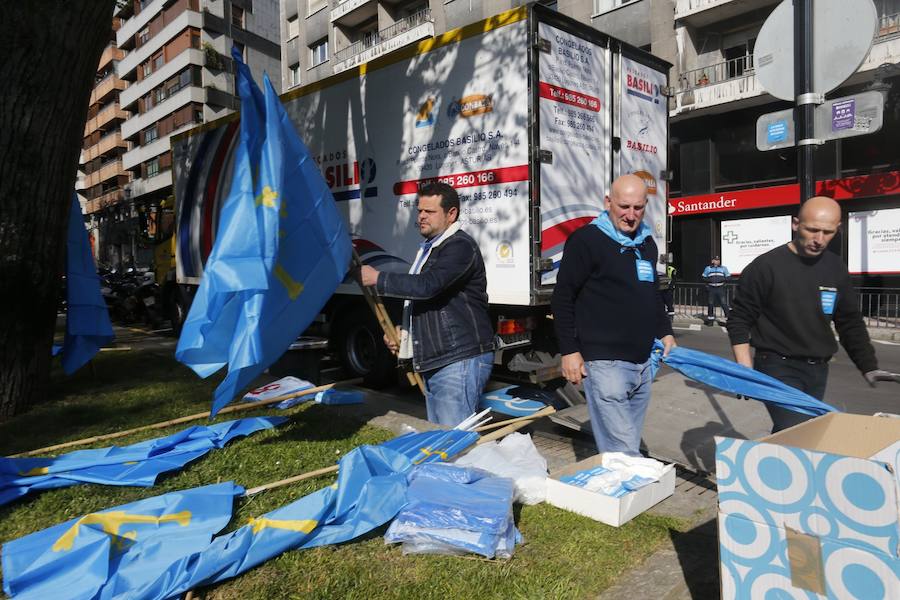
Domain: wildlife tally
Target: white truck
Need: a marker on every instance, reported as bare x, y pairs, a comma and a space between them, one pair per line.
528, 114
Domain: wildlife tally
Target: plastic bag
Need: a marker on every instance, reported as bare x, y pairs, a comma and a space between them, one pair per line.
515, 457
454, 510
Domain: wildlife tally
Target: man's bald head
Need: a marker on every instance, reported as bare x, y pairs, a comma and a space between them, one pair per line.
626, 202
815, 226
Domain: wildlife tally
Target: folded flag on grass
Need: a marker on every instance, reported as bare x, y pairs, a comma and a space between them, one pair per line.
732, 377
135, 465
281, 249
87, 317
77, 559
173, 558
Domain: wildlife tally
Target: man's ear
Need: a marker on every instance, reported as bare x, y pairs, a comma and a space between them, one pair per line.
453, 214
795, 223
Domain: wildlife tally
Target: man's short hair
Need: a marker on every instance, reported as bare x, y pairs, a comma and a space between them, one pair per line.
449, 197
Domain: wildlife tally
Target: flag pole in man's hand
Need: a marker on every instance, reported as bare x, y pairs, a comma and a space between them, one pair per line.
384, 319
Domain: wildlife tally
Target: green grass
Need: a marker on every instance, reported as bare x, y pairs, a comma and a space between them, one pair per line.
565, 555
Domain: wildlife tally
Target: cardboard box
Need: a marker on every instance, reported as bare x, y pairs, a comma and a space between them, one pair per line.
811, 511
603, 508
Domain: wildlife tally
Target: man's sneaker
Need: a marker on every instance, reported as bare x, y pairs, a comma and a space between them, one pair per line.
671, 313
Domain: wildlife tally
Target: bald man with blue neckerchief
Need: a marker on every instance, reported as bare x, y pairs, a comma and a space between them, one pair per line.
607, 313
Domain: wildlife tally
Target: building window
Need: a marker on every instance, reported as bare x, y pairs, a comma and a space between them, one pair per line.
159, 94
602, 6
195, 40
198, 115
295, 74
158, 61
739, 59
318, 52
316, 6
293, 28
150, 134
143, 36
153, 168
237, 16
148, 68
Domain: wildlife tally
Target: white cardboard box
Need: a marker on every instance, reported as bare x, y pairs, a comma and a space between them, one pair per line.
603, 508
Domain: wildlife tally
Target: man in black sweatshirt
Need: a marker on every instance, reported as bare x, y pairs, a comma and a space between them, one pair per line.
607, 312
786, 301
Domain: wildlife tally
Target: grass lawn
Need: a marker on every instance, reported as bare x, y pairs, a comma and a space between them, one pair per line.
565, 555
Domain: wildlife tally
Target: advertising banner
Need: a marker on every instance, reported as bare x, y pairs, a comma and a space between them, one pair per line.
643, 125
874, 241
574, 128
745, 239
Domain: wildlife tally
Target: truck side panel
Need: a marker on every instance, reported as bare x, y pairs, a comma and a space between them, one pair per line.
456, 111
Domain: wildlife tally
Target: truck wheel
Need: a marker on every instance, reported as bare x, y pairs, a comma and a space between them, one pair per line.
361, 349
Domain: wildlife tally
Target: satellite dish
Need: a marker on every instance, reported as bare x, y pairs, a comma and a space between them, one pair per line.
843, 31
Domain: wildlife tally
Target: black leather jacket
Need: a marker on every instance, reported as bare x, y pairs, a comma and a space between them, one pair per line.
450, 320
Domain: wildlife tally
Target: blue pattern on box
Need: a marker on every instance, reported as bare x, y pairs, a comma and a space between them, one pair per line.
850, 504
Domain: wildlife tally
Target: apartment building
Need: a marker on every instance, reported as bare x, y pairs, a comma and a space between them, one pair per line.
723, 185
103, 180
180, 73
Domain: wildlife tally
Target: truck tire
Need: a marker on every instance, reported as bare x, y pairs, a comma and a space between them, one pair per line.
359, 345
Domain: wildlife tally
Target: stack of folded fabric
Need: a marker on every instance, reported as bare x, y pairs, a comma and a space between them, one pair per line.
619, 474
456, 510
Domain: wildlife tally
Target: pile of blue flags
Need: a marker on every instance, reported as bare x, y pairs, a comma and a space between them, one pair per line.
135, 465
163, 546
281, 250
87, 317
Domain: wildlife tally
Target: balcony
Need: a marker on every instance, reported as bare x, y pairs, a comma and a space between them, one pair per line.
886, 48
130, 28
135, 124
110, 53
189, 56
722, 82
106, 143
353, 12
700, 13
111, 169
105, 87
110, 198
127, 68
141, 187
111, 113
402, 33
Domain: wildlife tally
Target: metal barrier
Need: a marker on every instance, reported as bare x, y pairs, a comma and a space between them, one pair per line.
880, 307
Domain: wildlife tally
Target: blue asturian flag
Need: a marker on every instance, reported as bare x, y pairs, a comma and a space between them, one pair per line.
370, 490
735, 378
75, 559
136, 465
87, 317
280, 252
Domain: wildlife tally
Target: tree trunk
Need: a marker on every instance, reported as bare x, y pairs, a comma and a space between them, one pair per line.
50, 51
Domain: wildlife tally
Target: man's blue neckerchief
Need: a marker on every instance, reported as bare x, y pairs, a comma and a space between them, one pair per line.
604, 224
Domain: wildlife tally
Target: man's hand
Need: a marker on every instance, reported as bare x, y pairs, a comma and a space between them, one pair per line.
668, 343
742, 355
877, 375
573, 368
368, 275
392, 346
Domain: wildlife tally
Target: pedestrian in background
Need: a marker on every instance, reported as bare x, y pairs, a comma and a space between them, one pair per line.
445, 330
667, 288
607, 311
786, 302
716, 276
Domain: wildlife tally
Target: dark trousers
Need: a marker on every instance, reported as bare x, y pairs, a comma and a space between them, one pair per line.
715, 295
668, 299
797, 373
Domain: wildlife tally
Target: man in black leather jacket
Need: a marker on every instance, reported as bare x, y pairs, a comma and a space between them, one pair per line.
446, 330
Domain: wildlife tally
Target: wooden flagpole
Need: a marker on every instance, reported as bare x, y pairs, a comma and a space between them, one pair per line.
384, 319
186, 419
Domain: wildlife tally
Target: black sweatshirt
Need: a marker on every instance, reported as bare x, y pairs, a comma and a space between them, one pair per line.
599, 307
779, 308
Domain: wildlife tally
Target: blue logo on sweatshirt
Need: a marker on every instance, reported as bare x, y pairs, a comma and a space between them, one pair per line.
644, 270
828, 297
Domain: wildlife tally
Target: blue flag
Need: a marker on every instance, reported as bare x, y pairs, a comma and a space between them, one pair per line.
87, 317
75, 559
135, 465
280, 252
370, 490
732, 377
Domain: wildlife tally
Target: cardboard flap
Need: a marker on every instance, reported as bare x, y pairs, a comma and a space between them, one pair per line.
860, 436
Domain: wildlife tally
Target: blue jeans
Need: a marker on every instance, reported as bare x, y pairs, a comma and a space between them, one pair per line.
452, 392
618, 393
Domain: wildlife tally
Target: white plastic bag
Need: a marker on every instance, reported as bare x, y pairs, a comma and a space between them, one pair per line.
515, 457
